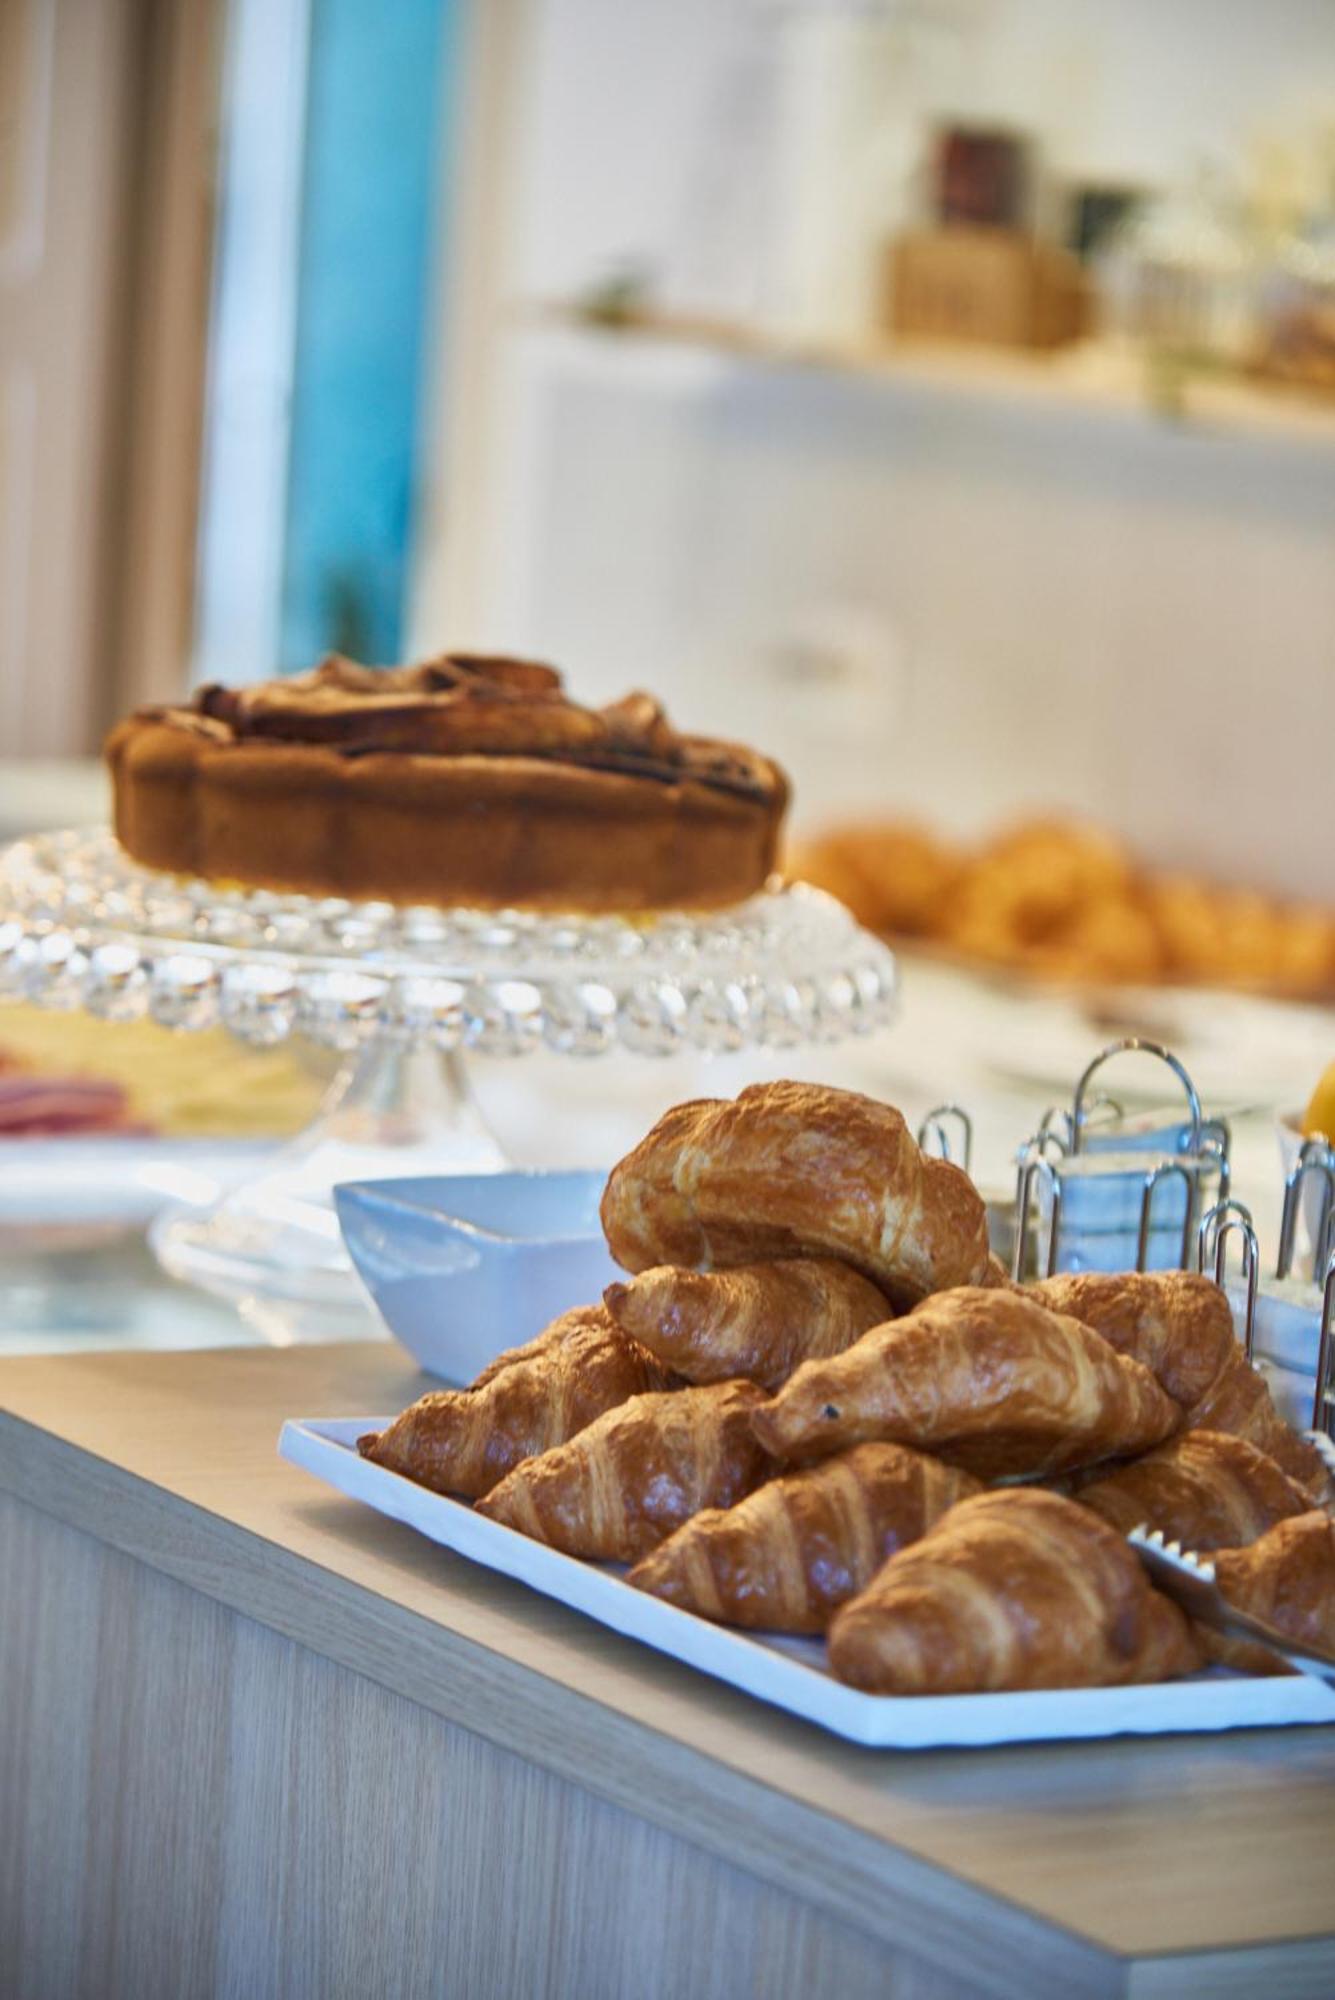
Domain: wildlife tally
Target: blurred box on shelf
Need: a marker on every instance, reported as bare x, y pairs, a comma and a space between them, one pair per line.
997, 287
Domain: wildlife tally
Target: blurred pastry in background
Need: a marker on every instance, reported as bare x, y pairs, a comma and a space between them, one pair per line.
1305, 950
1063, 900
892, 876
1212, 936
1113, 941
1237, 937
1034, 892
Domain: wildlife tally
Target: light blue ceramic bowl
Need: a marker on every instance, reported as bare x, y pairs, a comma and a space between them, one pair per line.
462, 1266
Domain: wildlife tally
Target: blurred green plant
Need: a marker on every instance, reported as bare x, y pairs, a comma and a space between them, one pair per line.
346, 605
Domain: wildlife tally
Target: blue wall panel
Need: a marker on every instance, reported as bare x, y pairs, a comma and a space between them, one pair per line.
375, 109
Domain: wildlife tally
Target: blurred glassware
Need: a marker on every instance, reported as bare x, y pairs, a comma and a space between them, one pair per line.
1181, 278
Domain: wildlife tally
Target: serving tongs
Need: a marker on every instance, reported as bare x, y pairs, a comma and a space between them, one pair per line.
1190, 1581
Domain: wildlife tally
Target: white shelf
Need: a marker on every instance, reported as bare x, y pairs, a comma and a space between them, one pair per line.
1090, 376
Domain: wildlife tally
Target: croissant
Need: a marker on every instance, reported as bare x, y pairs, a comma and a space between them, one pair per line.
465, 1440
1180, 1325
796, 1169
990, 1380
786, 1558
1238, 1402
636, 1473
1013, 1589
1177, 1323
1202, 1489
551, 1338
758, 1320
1286, 1578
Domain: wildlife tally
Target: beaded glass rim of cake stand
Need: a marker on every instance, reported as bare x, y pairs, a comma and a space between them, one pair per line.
81, 925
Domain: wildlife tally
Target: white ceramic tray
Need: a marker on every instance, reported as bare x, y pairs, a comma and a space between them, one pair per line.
790, 1673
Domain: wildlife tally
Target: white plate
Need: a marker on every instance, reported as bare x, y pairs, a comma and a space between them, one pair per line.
790, 1673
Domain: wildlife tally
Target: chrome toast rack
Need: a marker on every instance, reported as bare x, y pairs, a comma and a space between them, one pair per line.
1225, 1219
1315, 1167
934, 1133
1101, 1190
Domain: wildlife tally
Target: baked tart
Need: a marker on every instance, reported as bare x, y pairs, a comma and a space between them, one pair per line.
464, 780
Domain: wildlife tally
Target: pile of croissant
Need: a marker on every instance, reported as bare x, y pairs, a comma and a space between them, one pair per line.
818, 1405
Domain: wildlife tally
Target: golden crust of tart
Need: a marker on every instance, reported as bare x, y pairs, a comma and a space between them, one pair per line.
463, 780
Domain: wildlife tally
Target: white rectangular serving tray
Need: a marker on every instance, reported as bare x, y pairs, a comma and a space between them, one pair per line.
790, 1673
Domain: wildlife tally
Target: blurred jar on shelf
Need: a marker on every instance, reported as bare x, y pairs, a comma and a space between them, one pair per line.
1181, 279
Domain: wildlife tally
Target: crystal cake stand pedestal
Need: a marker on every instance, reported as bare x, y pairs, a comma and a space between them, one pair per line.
404, 994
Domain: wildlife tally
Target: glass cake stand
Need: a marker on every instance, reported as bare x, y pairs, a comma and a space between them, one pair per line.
405, 994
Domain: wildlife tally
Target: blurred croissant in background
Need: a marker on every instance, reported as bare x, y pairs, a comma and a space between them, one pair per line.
1064, 900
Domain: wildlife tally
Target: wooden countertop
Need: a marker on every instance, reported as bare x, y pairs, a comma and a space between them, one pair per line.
1190, 1865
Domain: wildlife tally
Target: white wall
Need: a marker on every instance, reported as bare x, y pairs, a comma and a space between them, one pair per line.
646, 118
925, 603
921, 601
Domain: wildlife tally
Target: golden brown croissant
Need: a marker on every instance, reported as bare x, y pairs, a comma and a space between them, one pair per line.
464, 1440
1179, 1324
1286, 1578
757, 1320
1238, 1401
1176, 1322
1014, 1589
636, 1473
1203, 1489
795, 1169
786, 1558
990, 1380
545, 1342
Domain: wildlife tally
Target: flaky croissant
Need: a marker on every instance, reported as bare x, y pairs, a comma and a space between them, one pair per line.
1238, 1401
1180, 1325
990, 1380
786, 1558
796, 1169
1203, 1489
542, 1343
1287, 1578
1176, 1322
757, 1320
465, 1440
636, 1473
1017, 1588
